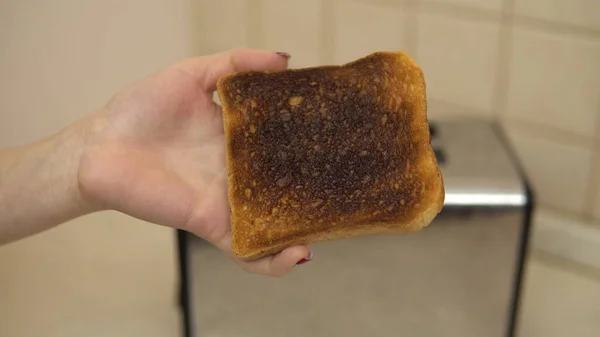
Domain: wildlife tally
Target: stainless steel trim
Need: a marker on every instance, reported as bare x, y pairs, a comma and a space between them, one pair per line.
485, 199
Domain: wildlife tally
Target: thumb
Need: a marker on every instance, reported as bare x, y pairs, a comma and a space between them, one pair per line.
208, 69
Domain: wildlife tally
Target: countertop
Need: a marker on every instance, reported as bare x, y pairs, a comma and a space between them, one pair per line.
110, 275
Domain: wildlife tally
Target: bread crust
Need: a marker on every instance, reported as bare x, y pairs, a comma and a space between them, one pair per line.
327, 153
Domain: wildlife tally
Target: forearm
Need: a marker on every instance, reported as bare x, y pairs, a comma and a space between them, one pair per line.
38, 184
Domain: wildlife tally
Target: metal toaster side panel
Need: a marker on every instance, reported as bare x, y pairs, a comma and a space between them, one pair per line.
455, 278
459, 277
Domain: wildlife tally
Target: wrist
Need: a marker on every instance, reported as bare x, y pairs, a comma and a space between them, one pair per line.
39, 186
69, 147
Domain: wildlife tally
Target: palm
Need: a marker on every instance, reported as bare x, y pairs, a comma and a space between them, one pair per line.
165, 152
160, 157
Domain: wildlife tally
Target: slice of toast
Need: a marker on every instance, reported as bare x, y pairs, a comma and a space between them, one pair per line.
326, 153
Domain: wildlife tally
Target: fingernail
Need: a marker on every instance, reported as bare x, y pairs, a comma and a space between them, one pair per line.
283, 54
306, 259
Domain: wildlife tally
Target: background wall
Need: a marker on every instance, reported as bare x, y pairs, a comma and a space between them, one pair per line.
100, 275
533, 64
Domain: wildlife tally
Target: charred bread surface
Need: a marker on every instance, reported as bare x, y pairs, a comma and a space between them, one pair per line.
329, 152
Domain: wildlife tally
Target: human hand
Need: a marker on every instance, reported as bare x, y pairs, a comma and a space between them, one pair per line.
156, 152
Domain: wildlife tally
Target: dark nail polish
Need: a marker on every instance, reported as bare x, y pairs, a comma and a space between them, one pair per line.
304, 260
282, 54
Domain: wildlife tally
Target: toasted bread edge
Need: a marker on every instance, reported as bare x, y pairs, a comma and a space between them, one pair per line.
436, 200
344, 233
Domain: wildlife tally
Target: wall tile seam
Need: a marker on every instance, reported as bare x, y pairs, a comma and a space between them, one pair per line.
549, 133
327, 22
384, 4
555, 27
565, 264
593, 187
564, 212
470, 13
505, 45
254, 28
411, 28
593, 184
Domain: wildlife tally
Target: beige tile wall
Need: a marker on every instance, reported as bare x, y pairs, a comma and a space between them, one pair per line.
63, 59
532, 64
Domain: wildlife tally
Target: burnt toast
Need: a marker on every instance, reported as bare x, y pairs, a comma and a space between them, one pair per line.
326, 153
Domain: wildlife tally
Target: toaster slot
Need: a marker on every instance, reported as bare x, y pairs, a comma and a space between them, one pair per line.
440, 156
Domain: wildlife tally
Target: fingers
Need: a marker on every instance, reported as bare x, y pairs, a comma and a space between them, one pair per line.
274, 265
208, 69
277, 265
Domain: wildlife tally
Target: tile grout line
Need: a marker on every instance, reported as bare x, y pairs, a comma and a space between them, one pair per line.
550, 133
591, 193
566, 264
465, 12
189, 12
593, 179
411, 28
327, 39
254, 29
553, 27
195, 37
505, 47
508, 22
462, 12
565, 236
539, 130
589, 222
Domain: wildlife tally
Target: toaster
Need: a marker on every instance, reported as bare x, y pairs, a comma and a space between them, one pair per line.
458, 277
